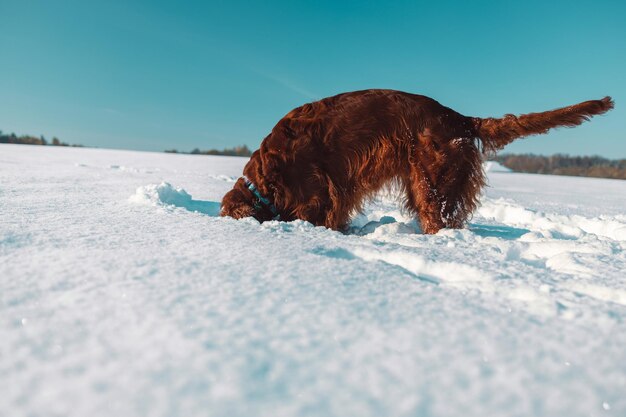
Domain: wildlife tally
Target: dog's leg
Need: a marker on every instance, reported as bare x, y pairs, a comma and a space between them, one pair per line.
430, 218
313, 211
341, 205
437, 210
423, 200
446, 205
443, 191
322, 203
453, 212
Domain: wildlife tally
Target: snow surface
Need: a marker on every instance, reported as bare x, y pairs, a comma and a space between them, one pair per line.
123, 294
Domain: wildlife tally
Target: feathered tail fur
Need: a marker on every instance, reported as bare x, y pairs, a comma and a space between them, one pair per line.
496, 133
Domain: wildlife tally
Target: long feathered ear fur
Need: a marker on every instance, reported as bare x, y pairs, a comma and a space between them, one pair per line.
236, 205
497, 133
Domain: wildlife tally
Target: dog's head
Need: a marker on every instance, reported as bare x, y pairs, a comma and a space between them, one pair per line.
237, 203
240, 202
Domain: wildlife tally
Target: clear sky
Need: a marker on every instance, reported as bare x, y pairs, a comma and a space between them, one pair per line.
155, 75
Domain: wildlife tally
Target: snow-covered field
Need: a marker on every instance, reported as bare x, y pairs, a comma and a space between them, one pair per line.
122, 294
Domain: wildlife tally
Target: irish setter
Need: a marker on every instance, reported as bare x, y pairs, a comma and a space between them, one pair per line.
323, 160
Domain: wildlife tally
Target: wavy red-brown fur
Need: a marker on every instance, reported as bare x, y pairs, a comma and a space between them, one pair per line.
323, 160
497, 133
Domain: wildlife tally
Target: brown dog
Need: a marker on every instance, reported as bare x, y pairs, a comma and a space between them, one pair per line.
323, 160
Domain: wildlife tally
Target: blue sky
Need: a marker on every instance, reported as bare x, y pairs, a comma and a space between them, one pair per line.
155, 75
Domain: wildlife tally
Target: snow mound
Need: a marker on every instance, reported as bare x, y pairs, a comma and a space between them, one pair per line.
167, 196
493, 166
552, 224
161, 194
451, 273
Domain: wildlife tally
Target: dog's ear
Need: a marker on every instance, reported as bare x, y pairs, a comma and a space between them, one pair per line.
236, 205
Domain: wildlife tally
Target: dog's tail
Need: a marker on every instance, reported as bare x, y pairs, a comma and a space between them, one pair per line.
496, 133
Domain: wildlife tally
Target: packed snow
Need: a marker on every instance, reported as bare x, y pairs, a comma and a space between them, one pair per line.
122, 293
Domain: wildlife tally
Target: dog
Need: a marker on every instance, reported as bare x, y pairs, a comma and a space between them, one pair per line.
323, 160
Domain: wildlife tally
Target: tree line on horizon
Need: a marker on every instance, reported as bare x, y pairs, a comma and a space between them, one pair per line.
563, 164
31, 140
241, 150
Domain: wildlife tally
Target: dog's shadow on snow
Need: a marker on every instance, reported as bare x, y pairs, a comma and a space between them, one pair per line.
502, 232
413, 227
210, 208
180, 198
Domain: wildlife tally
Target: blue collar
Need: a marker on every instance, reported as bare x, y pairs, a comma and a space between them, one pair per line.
260, 199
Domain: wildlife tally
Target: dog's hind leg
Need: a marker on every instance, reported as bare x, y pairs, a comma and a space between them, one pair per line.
445, 204
422, 199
